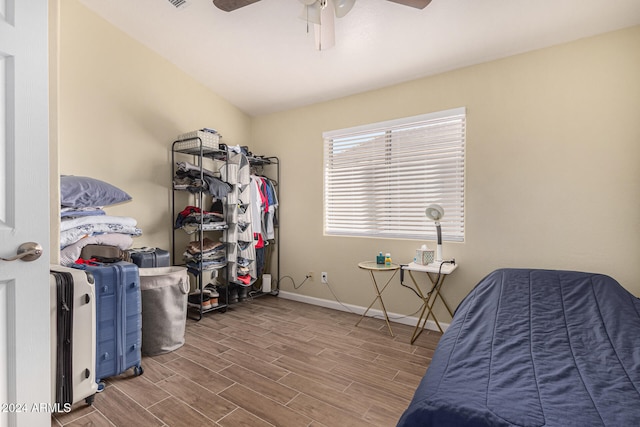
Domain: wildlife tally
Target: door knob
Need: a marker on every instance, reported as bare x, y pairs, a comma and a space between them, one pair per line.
29, 251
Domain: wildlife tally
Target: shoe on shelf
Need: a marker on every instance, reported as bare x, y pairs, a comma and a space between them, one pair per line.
233, 295
242, 294
214, 298
214, 295
194, 300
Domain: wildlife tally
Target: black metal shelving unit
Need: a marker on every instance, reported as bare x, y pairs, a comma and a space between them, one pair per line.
196, 147
199, 146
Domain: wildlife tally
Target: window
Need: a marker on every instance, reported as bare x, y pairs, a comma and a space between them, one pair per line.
379, 178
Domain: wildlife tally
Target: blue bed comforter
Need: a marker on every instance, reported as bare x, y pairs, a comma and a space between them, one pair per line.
536, 348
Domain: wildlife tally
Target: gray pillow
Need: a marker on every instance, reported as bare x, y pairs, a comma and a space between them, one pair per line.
82, 192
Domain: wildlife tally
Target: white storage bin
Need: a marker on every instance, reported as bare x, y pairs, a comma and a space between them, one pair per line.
164, 308
188, 142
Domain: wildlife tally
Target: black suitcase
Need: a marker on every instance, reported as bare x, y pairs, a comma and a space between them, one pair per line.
149, 257
103, 253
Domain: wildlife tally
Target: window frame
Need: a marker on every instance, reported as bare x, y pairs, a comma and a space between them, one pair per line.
438, 167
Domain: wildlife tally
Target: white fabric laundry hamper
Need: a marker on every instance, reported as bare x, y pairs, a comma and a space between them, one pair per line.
164, 308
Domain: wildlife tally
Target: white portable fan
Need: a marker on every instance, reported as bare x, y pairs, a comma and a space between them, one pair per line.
435, 213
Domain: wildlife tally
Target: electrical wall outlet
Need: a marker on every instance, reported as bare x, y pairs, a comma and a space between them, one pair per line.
310, 275
324, 277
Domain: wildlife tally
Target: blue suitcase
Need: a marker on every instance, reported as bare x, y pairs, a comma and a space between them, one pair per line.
118, 318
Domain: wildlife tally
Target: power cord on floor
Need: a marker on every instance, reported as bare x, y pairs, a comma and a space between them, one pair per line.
375, 316
451, 261
306, 277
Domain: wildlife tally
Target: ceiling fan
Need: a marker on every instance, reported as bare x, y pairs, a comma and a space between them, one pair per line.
320, 13
231, 5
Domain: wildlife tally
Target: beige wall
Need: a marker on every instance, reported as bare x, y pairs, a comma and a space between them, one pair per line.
553, 144
552, 153
120, 108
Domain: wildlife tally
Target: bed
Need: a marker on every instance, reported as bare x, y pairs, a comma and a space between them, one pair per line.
536, 348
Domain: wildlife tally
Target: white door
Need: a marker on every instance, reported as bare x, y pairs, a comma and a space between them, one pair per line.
25, 391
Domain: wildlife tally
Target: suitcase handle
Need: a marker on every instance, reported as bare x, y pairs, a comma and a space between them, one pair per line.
145, 249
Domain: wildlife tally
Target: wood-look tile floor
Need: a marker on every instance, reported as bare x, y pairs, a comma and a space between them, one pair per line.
269, 362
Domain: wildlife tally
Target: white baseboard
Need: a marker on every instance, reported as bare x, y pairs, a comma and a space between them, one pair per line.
394, 317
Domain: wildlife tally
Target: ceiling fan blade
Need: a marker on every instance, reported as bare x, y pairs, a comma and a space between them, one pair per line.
418, 4
231, 5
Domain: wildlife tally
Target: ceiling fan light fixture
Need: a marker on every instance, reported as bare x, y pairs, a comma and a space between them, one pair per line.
325, 34
311, 13
343, 7
322, 14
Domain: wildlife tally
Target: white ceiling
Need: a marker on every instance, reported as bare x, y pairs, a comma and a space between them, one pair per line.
261, 58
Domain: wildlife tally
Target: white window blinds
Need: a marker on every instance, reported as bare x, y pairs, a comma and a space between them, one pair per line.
379, 178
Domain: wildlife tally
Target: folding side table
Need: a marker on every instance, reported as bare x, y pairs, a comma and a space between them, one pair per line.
436, 274
372, 266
